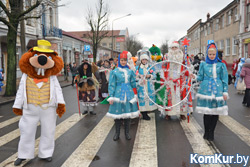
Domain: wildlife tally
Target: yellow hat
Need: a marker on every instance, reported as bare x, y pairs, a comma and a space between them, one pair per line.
43, 46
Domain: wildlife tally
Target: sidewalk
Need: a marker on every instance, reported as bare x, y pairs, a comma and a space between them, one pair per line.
4, 100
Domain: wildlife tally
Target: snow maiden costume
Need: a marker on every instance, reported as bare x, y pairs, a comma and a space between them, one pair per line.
214, 84
144, 103
121, 84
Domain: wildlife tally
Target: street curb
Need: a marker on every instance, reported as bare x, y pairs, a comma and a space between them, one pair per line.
12, 100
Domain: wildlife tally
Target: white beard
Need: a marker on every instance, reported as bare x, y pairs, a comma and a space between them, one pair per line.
175, 55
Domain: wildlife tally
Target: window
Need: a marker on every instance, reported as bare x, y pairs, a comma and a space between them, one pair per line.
51, 18
229, 18
228, 46
110, 45
236, 17
118, 46
28, 5
246, 50
222, 44
104, 44
222, 21
248, 15
208, 30
234, 47
217, 24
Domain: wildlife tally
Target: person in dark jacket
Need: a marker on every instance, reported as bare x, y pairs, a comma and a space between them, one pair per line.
104, 78
73, 70
196, 63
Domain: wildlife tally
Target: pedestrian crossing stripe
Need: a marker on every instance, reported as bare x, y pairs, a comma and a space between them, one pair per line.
145, 146
60, 129
86, 151
241, 131
9, 121
195, 138
10, 136
212, 146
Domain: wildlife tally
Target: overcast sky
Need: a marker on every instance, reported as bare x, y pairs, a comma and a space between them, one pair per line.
152, 21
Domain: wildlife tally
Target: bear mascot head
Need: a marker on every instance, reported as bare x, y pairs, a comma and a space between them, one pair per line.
40, 63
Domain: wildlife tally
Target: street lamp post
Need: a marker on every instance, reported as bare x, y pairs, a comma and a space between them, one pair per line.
112, 52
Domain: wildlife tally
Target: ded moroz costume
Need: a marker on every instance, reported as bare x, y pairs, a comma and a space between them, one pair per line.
177, 91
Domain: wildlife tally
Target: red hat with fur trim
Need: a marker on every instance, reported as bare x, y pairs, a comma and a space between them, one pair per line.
175, 44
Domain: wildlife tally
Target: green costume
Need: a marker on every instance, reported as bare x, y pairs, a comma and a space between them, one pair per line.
156, 56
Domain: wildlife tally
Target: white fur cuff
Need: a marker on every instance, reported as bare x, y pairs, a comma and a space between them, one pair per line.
226, 94
115, 99
133, 100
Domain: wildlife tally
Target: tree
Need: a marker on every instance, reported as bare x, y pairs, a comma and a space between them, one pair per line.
164, 47
98, 23
14, 14
133, 45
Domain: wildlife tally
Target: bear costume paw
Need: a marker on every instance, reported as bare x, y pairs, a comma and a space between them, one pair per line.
18, 111
60, 110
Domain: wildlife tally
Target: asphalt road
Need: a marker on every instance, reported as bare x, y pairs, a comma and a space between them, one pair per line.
87, 140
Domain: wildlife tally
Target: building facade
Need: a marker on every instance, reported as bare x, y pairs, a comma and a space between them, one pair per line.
223, 28
244, 35
45, 27
116, 39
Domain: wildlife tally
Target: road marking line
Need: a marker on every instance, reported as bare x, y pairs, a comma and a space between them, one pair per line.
145, 145
10, 136
241, 131
9, 121
200, 146
60, 129
87, 150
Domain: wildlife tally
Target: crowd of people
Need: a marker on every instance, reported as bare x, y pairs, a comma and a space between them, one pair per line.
135, 86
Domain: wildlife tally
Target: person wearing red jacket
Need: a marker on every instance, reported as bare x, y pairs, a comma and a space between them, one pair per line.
234, 69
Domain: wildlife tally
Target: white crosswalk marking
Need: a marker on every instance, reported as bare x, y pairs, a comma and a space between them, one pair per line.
195, 138
9, 121
87, 150
10, 136
241, 131
60, 129
145, 145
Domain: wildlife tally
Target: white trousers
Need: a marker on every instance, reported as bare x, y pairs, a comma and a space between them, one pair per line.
28, 126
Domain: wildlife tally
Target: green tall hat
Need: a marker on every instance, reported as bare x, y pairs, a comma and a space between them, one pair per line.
155, 53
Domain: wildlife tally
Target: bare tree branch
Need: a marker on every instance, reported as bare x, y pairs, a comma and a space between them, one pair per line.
30, 17
5, 21
38, 2
4, 8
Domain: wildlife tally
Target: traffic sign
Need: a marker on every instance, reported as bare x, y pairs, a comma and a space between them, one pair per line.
210, 41
87, 48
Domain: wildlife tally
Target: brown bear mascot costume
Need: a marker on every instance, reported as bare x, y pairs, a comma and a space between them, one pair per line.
38, 99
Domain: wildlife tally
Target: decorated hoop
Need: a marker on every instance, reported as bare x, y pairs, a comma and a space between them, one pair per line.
166, 83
